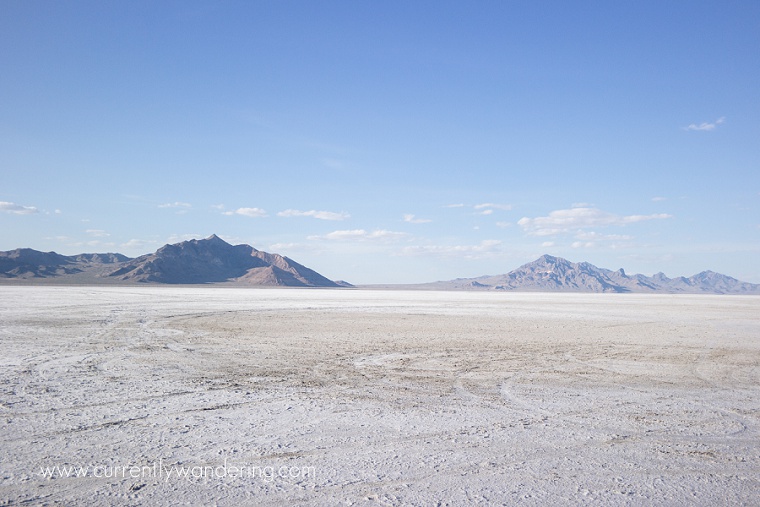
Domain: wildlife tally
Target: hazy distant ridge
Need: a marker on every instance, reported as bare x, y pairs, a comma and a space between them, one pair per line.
25, 263
555, 274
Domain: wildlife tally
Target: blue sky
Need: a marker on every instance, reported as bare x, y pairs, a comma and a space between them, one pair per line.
387, 141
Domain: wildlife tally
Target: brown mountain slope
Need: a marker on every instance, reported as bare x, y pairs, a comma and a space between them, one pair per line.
213, 260
210, 260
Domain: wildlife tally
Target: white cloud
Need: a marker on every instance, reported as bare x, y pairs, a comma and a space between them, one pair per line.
321, 215
362, 235
181, 207
100, 244
490, 205
659, 199
334, 163
135, 244
413, 220
285, 246
485, 248
175, 205
547, 244
487, 208
178, 238
572, 220
344, 234
248, 212
598, 236
706, 126
327, 147
17, 209
98, 233
459, 205
503, 225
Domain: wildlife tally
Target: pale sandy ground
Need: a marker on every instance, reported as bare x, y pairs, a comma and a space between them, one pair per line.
377, 397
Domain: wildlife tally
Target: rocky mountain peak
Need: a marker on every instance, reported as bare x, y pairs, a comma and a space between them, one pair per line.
196, 261
547, 259
549, 273
213, 240
213, 260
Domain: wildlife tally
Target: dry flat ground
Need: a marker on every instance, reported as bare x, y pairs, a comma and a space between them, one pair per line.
172, 396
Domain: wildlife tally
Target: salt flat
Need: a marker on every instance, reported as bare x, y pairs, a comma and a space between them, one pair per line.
202, 396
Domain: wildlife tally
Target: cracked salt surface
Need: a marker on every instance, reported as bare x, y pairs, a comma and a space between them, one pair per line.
344, 397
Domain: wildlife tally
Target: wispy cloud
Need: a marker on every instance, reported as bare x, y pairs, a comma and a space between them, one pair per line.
334, 163
598, 236
17, 209
490, 205
180, 207
178, 238
97, 233
362, 235
414, 220
484, 248
321, 215
138, 244
100, 244
592, 239
329, 148
286, 246
247, 212
573, 220
706, 126
487, 208
175, 205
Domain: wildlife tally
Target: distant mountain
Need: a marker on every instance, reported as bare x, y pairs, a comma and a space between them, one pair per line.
554, 274
210, 260
214, 260
25, 263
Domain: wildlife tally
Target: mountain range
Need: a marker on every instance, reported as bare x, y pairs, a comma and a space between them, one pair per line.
555, 274
210, 260
214, 261
25, 263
